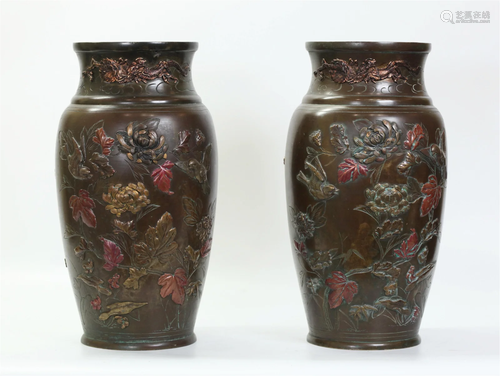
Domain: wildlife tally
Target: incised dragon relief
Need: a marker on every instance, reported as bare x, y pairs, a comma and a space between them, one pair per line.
351, 72
122, 71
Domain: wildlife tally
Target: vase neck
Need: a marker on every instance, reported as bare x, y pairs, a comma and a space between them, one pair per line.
357, 73
125, 73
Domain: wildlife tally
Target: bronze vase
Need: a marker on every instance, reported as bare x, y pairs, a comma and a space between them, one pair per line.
137, 178
365, 178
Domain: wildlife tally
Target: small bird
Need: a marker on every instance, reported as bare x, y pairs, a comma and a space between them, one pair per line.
198, 170
317, 183
438, 154
75, 161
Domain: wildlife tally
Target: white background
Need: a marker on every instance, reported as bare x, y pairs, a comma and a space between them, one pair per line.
251, 71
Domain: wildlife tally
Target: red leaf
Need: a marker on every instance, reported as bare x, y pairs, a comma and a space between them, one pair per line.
300, 248
415, 313
408, 247
162, 176
207, 247
96, 303
103, 140
410, 276
341, 289
112, 254
432, 192
82, 207
113, 281
414, 137
173, 284
350, 170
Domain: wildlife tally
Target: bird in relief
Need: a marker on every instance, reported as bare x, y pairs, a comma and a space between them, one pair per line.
75, 155
198, 168
317, 184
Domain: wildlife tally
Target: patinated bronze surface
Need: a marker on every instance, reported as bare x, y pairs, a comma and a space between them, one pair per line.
137, 178
365, 176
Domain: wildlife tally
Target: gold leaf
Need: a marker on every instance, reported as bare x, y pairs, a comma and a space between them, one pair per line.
103, 290
151, 239
121, 308
166, 251
132, 282
191, 208
126, 227
190, 220
168, 238
163, 226
142, 253
159, 241
193, 255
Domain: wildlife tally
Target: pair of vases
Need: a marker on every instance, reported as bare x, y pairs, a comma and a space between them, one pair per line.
137, 176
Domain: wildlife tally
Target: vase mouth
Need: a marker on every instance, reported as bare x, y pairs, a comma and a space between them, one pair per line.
134, 46
369, 46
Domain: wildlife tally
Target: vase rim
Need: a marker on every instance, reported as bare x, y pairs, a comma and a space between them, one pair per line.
369, 46
134, 46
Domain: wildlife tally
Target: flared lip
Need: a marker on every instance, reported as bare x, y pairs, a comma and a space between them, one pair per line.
369, 46
134, 46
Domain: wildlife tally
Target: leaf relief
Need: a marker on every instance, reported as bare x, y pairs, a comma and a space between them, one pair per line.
173, 284
191, 208
362, 312
132, 282
94, 282
338, 138
350, 170
112, 254
82, 206
422, 275
121, 308
342, 289
416, 137
389, 229
408, 247
159, 242
162, 177
414, 190
106, 142
394, 303
199, 137
315, 137
125, 227
433, 192
100, 165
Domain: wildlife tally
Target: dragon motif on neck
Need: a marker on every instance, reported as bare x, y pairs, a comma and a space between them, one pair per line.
122, 71
351, 72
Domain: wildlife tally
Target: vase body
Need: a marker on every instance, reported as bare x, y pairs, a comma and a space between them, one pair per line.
365, 176
137, 177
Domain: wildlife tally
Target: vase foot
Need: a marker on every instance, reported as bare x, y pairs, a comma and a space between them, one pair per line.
361, 345
157, 344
